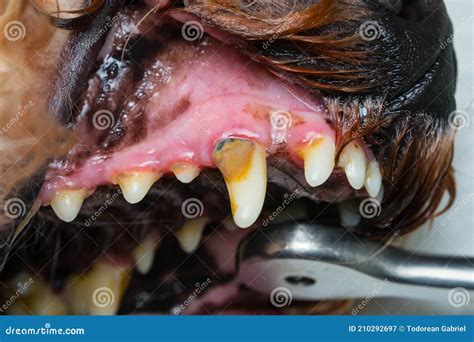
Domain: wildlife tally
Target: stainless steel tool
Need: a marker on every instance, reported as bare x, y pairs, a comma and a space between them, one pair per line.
318, 262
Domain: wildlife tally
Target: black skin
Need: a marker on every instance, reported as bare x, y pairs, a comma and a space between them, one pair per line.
414, 59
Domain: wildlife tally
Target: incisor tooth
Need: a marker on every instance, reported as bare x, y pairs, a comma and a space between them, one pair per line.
99, 291
349, 213
373, 179
135, 185
189, 235
144, 254
243, 164
318, 158
185, 172
353, 160
67, 203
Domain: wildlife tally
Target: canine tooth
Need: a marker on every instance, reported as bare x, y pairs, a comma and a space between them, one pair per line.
373, 179
99, 291
349, 213
144, 254
318, 158
185, 172
46, 303
67, 203
189, 235
243, 164
352, 159
135, 185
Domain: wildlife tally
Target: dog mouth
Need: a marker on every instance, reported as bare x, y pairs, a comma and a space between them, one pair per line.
184, 145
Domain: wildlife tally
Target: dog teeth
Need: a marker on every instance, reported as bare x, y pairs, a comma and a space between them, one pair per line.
99, 291
135, 185
67, 203
189, 235
353, 161
349, 213
185, 172
243, 164
373, 179
318, 158
144, 255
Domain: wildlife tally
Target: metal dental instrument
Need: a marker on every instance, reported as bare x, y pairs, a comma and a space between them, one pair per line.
318, 262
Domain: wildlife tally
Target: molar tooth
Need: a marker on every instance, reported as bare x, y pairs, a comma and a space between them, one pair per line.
135, 185
318, 158
189, 235
349, 213
243, 164
373, 179
67, 203
185, 172
99, 291
353, 160
144, 254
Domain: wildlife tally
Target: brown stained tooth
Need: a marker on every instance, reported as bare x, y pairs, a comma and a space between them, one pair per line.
144, 254
135, 185
35, 298
185, 172
189, 235
318, 158
354, 163
99, 291
67, 203
242, 162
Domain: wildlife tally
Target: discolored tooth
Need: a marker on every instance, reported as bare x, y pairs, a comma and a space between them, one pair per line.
45, 302
67, 203
185, 172
144, 254
349, 213
243, 164
135, 185
373, 179
99, 291
318, 158
189, 235
353, 161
